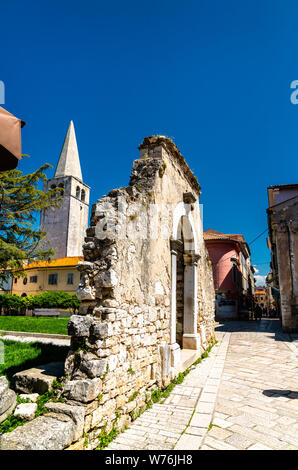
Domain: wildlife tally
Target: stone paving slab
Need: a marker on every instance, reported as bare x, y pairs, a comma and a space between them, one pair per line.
169, 424
257, 402
244, 396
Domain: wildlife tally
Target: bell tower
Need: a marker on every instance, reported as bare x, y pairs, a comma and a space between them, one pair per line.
66, 226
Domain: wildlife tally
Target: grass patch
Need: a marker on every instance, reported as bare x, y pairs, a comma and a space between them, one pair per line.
20, 356
187, 426
49, 325
130, 370
134, 396
105, 438
11, 423
211, 425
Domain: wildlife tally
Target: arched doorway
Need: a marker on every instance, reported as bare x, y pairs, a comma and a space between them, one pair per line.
179, 290
184, 258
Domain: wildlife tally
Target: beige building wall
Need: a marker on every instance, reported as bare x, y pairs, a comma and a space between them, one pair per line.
261, 298
31, 286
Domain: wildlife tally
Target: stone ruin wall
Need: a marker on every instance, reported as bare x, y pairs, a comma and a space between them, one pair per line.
285, 220
123, 326
121, 338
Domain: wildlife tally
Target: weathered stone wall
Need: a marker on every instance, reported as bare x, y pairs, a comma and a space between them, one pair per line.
285, 223
121, 338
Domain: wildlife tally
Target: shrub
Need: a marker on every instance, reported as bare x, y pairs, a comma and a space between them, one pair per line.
11, 303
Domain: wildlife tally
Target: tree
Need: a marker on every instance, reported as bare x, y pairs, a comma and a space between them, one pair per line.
52, 299
20, 203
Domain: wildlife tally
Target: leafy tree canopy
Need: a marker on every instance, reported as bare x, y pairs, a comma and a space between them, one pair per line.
20, 204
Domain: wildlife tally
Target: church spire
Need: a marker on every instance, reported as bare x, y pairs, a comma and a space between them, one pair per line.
69, 161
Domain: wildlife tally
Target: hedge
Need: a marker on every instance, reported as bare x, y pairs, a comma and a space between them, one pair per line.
44, 300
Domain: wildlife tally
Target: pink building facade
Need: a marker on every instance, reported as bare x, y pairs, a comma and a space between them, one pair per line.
232, 273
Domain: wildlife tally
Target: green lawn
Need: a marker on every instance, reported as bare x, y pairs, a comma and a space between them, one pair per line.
50, 325
20, 356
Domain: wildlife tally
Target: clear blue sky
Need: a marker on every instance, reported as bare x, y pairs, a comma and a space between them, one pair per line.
214, 75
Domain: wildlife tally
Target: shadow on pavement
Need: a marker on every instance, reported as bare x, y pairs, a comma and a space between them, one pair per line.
264, 325
281, 393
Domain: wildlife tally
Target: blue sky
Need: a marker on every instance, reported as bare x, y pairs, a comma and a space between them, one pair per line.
214, 75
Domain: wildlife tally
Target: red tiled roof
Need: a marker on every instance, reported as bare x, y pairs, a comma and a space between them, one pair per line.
59, 262
211, 234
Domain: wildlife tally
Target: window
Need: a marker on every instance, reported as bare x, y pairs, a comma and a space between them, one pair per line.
61, 185
25, 281
83, 195
33, 279
53, 279
53, 186
70, 278
78, 191
15, 280
227, 302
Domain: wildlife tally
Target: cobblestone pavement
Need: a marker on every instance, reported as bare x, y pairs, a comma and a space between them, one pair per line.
243, 396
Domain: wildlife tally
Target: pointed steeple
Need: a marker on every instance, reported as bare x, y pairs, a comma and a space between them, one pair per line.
69, 161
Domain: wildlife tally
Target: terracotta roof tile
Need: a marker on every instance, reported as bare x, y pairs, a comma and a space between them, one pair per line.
211, 234
53, 263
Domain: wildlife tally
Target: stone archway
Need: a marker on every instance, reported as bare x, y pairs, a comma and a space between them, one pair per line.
184, 258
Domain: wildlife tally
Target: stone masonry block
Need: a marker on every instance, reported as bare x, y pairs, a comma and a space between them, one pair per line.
26, 410
3, 385
38, 379
106, 279
8, 401
83, 390
94, 367
102, 330
76, 413
43, 433
79, 325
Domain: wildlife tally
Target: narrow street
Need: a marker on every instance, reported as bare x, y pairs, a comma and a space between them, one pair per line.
243, 396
